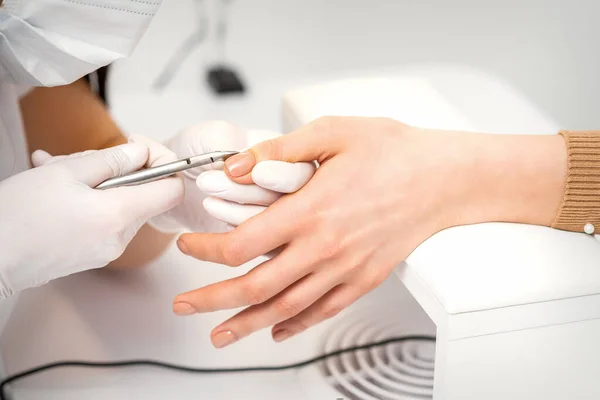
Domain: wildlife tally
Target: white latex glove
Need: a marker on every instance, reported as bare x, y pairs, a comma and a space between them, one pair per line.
53, 224
232, 203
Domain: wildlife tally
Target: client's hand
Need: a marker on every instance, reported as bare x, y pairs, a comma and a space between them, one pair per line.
381, 189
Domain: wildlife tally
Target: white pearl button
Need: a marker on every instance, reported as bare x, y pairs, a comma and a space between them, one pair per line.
589, 229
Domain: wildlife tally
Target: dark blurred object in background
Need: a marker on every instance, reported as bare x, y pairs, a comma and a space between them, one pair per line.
221, 77
224, 80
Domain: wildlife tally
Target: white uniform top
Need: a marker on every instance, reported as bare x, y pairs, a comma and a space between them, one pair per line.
14, 157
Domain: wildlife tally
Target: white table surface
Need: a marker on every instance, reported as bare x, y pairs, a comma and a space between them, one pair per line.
107, 316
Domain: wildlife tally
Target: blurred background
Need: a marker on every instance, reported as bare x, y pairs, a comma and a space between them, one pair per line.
549, 50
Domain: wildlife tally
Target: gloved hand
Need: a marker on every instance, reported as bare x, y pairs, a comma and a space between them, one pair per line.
53, 224
232, 203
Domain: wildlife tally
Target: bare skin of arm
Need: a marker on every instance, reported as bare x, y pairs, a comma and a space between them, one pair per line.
69, 119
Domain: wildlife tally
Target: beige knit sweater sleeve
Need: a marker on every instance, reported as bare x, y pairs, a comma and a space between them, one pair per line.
581, 201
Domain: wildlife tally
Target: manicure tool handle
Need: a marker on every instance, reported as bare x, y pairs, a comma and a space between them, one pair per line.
162, 171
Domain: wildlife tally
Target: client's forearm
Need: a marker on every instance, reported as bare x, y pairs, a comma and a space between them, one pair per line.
515, 178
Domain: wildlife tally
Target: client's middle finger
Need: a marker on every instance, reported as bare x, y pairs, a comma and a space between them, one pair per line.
255, 287
285, 305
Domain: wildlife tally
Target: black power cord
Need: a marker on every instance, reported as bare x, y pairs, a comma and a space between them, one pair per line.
159, 364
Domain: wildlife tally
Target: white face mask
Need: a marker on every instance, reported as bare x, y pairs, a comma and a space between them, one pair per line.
55, 42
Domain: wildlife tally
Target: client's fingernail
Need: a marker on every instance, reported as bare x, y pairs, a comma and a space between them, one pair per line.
223, 338
183, 309
240, 164
281, 334
182, 247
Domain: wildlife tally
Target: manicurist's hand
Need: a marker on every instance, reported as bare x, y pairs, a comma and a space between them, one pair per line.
54, 223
